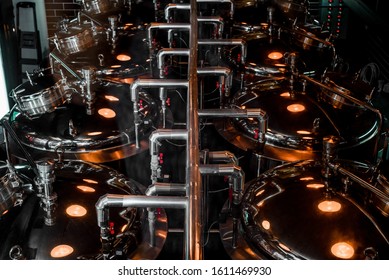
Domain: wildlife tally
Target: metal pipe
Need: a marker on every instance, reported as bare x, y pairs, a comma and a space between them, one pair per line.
44, 183
155, 83
93, 19
227, 42
177, 6
219, 71
57, 59
6, 140
165, 134
334, 90
337, 168
179, 230
163, 98
169, 51
90, 95
194, 224
214, 20
232, 170
354, 100
222, 156
164, 26
303, 32
155, 137
238, 179
232, 7
241, 113
114, 200
211, 19
204, 159
10, 131
164, 189
113, 26
149, 83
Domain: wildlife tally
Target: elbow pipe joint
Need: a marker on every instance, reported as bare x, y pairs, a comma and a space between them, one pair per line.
165, 189
232, 170
155, 83
227, 42
178, 6
169, 51
165, 134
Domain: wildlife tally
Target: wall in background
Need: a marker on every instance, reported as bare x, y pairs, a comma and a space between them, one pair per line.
57, 10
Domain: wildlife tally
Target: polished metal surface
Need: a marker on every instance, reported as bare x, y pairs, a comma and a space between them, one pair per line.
293, 9
192, 99
295, 135
194, 227
79, 184
308, 40
344, 85
283, 215
269, 49
266, 55
104, 136
10, 188
42, 94
97, 6
75, 38
382, 204
123, 61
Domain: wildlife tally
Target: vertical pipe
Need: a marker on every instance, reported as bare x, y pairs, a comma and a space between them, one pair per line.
193, 227
7, 143
155, 189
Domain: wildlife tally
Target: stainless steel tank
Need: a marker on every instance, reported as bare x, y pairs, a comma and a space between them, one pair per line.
106, 135
298, 121
63, 225
294, 212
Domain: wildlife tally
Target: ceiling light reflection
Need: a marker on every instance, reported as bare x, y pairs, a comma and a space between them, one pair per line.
275, 55
295, 108
95, 133
86, 189
76, 211
285, 94
342, 250
123, 57
306, 178
90, 181
329, 206
266, 224
61, 251
315, 186
111, 98
107, 113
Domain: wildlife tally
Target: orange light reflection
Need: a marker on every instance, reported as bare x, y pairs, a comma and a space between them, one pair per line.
111, 98
295, 108
123, 57
76, 211
342, 250
86, 189
107, 113
329, 206
275, 55
61, 251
